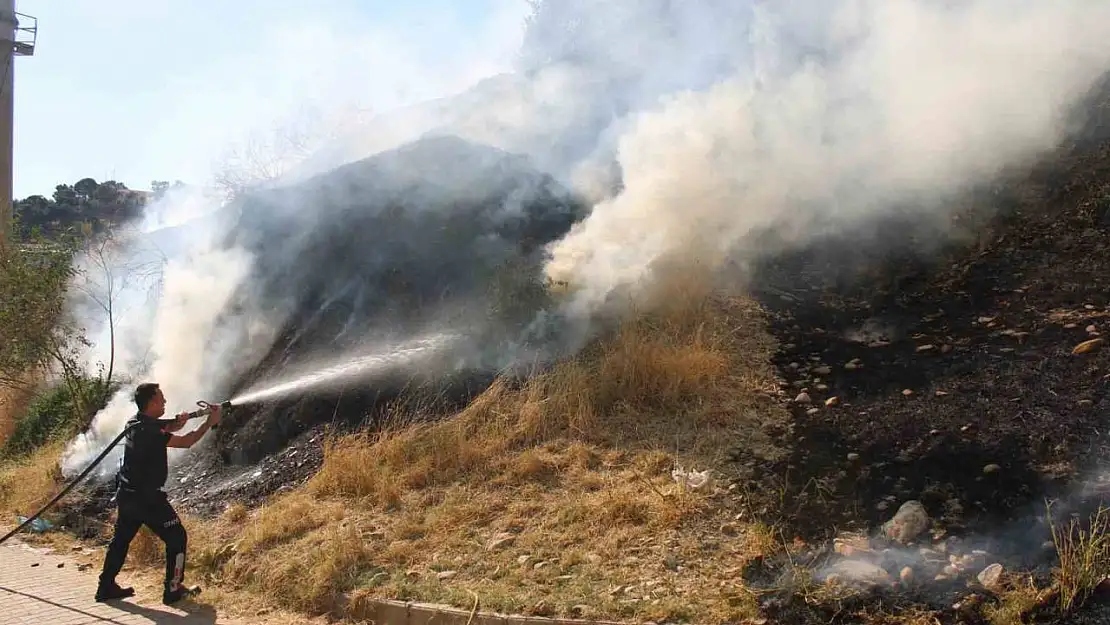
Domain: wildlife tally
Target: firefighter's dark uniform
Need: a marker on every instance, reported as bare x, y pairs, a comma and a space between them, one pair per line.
142, 501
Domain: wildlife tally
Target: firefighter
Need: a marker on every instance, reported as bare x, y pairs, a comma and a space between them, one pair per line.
140, 498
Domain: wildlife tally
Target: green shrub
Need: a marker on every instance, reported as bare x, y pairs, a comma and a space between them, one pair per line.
53, 415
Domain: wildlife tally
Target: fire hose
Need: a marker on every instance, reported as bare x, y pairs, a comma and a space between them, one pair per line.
204, 410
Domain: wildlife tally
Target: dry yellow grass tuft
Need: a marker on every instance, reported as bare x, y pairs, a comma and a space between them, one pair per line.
28, 483
1084, 558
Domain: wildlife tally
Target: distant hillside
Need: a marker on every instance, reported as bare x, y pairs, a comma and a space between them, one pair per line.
87, 202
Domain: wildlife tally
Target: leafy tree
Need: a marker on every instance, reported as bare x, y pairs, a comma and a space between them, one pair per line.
35, 333
99, 205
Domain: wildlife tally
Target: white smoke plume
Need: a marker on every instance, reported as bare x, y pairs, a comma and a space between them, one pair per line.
169, 342
898, 100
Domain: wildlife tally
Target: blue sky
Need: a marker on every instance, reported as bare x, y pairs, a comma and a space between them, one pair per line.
141, 90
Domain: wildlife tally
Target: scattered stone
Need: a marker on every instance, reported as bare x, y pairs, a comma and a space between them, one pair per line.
907, 392
921, 349
822, 387
813, 411
593, 558
935, 432
853, 457
34, 565
1087, 347
500, 541
1092, 329
832, 401
542, 609
823, 370
862, 572
990, 576
539, 565
940, 393
446, 575
1085, 403
61, 565
991, 468
906, 576
83, 567
803, 398
908, 523
523, 559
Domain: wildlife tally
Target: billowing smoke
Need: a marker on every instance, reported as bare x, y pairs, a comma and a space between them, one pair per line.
155, 297
693, 128
847, 110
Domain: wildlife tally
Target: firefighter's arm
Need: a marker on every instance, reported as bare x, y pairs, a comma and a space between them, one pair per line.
188, 440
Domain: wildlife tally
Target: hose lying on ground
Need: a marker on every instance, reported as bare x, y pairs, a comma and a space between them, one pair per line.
68, 487
203, 412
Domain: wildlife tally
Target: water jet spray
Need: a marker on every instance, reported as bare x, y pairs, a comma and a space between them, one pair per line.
205, 409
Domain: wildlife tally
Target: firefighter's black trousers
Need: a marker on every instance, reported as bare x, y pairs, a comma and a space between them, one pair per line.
153, 510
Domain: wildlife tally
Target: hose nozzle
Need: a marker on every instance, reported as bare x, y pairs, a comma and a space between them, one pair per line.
206, 409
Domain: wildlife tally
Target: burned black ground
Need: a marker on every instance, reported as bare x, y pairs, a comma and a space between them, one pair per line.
949, 379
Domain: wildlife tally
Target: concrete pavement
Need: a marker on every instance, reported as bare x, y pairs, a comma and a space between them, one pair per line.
35, 589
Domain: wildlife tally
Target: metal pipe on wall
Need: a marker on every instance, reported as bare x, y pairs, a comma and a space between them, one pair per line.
8, 25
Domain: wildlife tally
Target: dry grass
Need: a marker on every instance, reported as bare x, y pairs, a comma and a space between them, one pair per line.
549, 497
13, 404
1017, 603
1084, 558
28, 483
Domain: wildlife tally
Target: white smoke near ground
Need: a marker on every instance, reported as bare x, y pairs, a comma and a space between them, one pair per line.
170, 341
903, 100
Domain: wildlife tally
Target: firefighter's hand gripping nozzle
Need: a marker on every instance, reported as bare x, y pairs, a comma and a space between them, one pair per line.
206, 409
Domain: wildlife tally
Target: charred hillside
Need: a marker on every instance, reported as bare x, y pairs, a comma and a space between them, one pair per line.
440, 235
960, 363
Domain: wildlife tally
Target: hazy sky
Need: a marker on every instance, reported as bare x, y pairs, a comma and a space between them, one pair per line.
141, 90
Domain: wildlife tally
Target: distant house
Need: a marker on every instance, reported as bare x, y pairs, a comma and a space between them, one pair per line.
145, 196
